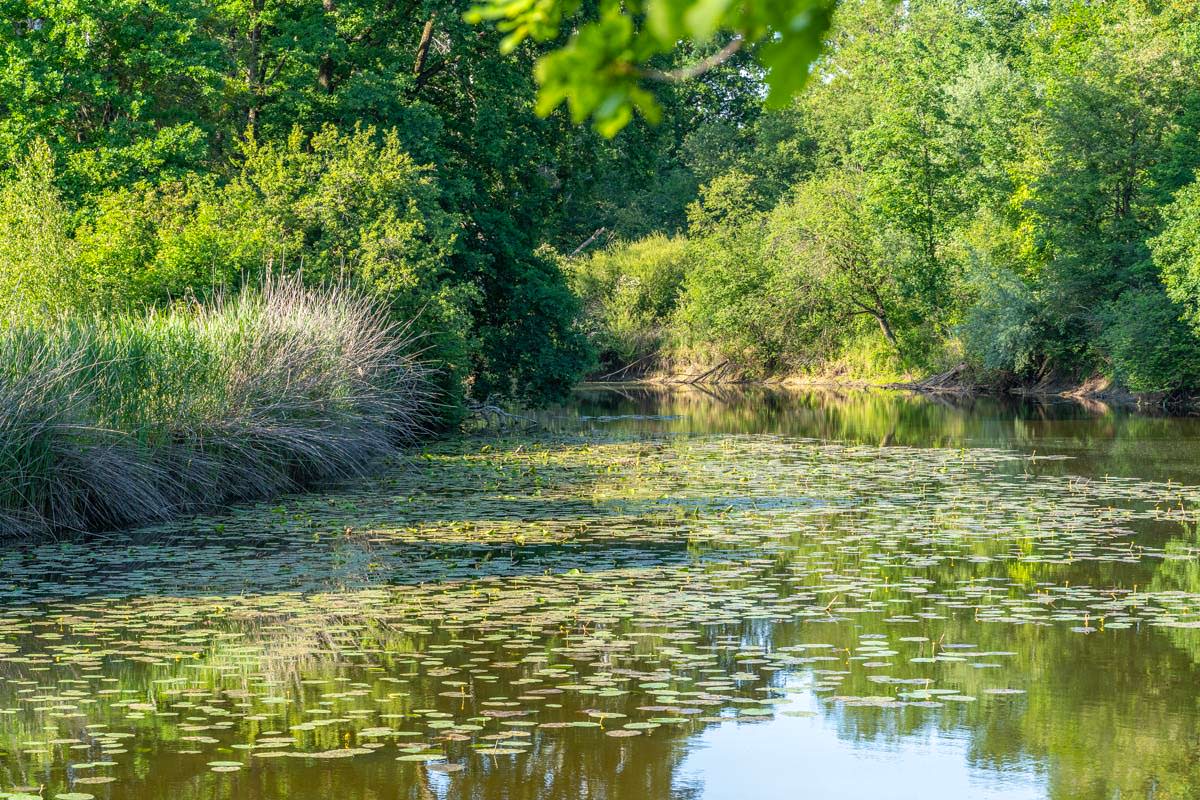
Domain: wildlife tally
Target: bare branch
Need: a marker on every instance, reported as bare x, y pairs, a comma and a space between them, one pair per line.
423, 45
599, 231
699, 68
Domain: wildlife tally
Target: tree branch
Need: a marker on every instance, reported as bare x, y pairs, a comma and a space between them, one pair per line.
699, 68
599, 231
432, 70
423, 45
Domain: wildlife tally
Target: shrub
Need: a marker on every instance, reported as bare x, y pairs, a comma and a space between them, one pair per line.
1176, 251
732, 305
352, 208
349, 208
629, 291
112, 422
38, 257
1148, 345
1000, 331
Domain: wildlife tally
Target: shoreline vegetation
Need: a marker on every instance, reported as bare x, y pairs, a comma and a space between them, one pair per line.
113, 422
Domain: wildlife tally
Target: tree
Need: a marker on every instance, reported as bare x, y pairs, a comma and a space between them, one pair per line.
837, 248
1116, 122
120, 91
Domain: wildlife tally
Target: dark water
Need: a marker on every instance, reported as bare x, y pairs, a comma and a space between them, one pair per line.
691, 594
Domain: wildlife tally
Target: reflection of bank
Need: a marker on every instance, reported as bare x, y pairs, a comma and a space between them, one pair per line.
1101, 440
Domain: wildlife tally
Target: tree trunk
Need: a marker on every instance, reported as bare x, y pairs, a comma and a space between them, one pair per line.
423, 46
325, 69
887, 329
253, 65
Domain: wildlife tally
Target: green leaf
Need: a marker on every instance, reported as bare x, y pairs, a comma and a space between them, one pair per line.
789, 58
705, 17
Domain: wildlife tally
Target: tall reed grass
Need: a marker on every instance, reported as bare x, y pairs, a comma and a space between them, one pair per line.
108, 423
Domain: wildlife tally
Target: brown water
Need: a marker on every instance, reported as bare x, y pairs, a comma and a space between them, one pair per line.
657, 595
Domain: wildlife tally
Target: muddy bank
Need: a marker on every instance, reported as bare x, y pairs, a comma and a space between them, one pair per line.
1095, 389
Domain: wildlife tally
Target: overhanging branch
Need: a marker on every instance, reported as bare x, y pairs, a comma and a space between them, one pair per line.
699, 68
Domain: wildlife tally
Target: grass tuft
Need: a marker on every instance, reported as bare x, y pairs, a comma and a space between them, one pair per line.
115, 422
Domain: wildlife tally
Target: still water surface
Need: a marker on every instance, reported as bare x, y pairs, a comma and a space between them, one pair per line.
694, 594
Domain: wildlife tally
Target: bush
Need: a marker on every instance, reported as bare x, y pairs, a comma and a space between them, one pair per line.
1000, 331
629, 291
118, 421
1148, 345
38, 257
731, 305
1176, 251
729, 308
352, 209
346, 208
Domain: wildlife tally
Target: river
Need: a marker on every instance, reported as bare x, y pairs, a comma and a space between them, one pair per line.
708, 594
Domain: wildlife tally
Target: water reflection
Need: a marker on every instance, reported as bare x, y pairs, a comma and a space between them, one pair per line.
1102, 440
797, 756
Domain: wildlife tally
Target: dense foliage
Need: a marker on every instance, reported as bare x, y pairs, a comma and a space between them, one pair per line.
1001, 182
1012, 184
158, 150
